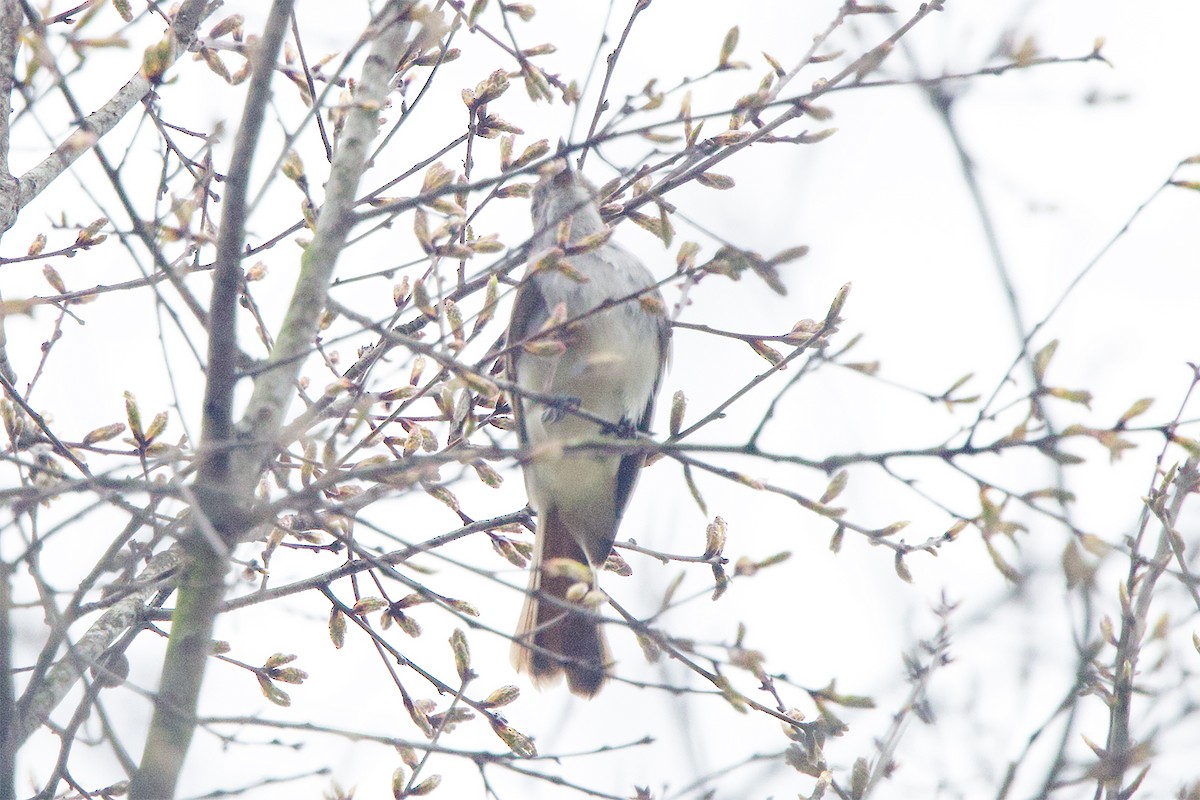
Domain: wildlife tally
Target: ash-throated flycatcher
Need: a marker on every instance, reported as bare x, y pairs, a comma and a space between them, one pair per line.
603, 350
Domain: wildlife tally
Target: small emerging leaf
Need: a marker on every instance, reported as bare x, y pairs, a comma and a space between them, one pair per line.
1081, 396
516, 741
835, 541
426, 786
773, 356
727, 47
835, 487
678, 407
694, 489
501, 697
1042, 359
1138, 408
714, 180
104, 434
273, 692
462, 654
337, 627
714, 537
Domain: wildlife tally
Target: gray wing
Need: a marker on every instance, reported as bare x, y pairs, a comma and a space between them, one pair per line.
631, 465
529, 310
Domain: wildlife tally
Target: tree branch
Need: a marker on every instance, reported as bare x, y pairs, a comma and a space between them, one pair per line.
273, 388
99, 122
229, 474
202, 583
44, 697
8, 741
10, 28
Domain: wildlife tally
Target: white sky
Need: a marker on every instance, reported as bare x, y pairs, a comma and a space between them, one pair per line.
882, 204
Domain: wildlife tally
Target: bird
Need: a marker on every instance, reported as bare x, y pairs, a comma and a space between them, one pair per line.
603, 347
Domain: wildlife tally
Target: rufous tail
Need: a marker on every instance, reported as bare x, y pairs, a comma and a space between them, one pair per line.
556, 636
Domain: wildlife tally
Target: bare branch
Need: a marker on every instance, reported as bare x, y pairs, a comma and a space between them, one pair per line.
35, 707
10, 28
104, 119
204, 573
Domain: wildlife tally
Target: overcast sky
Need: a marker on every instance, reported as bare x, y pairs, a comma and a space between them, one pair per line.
1064, 154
